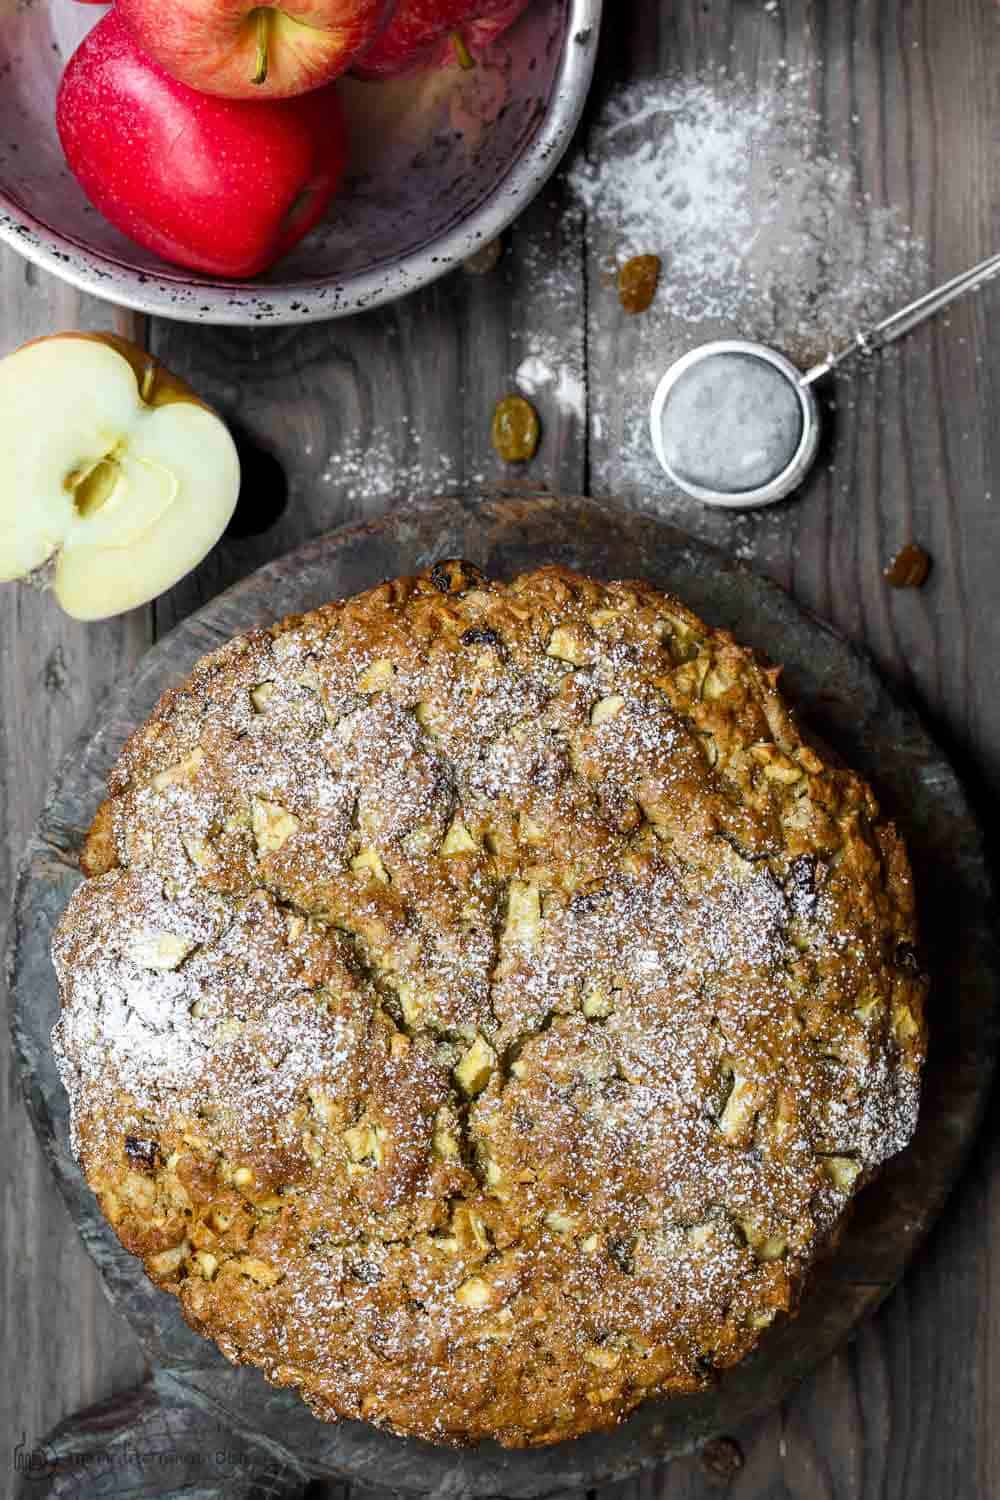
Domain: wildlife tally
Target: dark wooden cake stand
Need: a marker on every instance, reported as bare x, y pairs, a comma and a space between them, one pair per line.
200, 1427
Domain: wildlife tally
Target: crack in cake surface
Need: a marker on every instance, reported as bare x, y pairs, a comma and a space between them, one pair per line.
506, 999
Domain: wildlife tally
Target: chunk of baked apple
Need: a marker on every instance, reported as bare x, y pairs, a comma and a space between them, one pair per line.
114, 477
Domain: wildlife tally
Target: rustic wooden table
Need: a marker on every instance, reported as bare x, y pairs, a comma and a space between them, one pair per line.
907, 94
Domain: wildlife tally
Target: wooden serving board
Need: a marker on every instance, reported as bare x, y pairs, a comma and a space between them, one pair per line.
217, 1430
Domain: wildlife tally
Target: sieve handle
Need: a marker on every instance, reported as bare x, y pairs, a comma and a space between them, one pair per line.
907, 317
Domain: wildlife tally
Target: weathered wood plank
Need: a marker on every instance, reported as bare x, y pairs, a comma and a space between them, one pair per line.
907, 95
63, 1345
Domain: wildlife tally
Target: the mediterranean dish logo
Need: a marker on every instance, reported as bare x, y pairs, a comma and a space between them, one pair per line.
40, 1461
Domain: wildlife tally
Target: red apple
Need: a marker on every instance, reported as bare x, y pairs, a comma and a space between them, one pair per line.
218, 185
429, 33
243, 50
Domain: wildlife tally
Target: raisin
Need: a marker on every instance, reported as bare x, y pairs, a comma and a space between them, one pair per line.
910, 568
622, 1252
453, 576
366, 1272
143, 1151
908, 958
722, 1459
803, 885
482, 635
585, 902
637, 282
484, 260
516, 430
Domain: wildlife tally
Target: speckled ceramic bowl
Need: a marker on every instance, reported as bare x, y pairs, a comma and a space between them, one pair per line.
458, 156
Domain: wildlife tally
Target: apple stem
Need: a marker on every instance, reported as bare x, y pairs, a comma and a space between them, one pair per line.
263, 42
465, 57
148, 381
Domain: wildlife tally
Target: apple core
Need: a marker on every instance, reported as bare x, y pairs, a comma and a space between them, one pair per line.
93, 485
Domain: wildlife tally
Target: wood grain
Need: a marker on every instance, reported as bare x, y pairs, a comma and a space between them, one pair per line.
62, 1345
906, 1412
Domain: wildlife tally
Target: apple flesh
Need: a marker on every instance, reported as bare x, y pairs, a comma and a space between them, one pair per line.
433, 33
112, 472
246, 51
217, 185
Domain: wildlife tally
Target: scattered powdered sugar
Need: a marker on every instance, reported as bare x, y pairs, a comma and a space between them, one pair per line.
534, 374
552, 344
566, 385
755, 223
757, 205
386, 466
754, 202
763, 229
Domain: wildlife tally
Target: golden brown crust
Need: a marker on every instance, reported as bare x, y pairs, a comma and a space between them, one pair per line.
99, 854
491, 1003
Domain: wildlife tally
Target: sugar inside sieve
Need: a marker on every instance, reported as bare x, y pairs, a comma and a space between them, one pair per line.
732, 424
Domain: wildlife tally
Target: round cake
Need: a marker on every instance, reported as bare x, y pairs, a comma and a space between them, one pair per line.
485, 1002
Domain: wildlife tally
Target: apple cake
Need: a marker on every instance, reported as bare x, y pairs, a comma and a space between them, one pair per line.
484, 1002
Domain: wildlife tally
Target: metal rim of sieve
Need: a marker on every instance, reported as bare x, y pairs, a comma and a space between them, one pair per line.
791, 476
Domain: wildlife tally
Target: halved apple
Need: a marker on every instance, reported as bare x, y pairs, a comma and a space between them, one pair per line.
112, 472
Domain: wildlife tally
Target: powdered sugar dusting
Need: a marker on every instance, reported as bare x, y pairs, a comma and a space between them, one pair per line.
181, 999
483, 987
392, 464
763, 231
534, 375
755, 223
